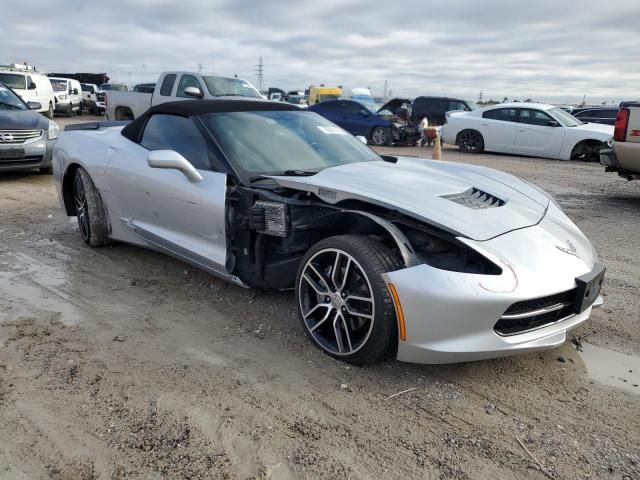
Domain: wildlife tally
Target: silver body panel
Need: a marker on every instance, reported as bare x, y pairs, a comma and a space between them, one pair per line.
449, 316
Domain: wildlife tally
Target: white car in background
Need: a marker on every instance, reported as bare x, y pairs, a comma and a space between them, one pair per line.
534, 129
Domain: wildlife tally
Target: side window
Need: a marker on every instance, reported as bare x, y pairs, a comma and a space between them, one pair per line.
167, 85
503, 114
352, 108
584, 113
534, 117
455, 105
187, 81
609, 113
170, 132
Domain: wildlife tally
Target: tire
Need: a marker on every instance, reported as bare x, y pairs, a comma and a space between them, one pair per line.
80, 110
92, 219
46, 170
470, 141
70, 112
50, 113
349, 316
380, 136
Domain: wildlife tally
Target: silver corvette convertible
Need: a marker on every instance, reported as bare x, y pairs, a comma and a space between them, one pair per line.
430, 261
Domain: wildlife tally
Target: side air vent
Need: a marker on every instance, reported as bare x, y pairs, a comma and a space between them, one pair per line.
475, 198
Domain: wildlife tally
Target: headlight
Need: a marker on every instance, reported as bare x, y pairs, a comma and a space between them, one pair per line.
54, 130
64, 96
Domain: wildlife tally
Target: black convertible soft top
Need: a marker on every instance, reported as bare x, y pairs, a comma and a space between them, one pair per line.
189, 108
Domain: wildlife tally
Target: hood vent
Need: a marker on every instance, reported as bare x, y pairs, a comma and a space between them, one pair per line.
475, 198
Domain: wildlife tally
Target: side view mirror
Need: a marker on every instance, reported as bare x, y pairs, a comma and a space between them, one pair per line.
75, 91
194, 92
172, 159
32, 86
552, 123
34, 105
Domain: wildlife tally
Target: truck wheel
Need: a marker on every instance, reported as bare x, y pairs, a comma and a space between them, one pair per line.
380, 136
344, 304
470, 141
92, 219
70, 111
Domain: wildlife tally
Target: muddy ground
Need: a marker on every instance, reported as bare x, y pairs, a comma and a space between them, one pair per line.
122, 363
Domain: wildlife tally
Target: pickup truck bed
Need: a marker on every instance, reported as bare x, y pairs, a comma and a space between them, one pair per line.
624, 155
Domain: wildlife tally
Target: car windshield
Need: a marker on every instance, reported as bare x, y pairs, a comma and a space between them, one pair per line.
13, 80
87, 88
274, 142
234, 87
565, 118
327, 97
113, 86
472, 106
9, 100
58, 85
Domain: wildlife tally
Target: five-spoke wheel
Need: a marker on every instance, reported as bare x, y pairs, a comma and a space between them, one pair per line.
470, 141
344, 303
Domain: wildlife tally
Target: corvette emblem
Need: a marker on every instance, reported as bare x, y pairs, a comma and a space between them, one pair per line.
571, 250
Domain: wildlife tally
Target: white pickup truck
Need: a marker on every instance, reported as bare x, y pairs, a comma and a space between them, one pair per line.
624, 155
172, 86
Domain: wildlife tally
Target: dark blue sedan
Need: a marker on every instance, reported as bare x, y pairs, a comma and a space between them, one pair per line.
356, 119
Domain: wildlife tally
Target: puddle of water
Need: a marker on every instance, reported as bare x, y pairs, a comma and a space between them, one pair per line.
612, 368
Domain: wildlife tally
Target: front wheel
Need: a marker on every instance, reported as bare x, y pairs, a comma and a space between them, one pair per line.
470, 141
92, 219
344, 304
380, 136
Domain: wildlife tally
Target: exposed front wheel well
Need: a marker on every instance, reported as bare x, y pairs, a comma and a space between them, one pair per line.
587, 150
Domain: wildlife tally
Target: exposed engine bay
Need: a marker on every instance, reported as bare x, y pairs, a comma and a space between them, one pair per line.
399, 112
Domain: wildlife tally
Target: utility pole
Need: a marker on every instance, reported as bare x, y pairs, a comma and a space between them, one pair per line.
200, 68
384, 92
260, 73
480, 98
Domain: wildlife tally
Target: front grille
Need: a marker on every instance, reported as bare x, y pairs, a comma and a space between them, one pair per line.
475, 198
529, 315
21, 162
18, 136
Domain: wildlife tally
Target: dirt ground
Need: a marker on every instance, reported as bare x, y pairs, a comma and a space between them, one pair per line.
123, 363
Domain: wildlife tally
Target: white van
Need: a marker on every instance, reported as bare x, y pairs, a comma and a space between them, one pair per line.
68, 94
32, 87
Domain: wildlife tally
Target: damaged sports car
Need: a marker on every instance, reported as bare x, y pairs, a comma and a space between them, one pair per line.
430, 261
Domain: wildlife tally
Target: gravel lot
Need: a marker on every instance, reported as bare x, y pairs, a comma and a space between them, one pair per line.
123, 363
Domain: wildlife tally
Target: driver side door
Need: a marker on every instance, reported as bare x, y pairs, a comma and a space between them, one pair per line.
162, 206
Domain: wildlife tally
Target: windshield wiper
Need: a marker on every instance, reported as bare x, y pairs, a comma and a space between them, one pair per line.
5, 104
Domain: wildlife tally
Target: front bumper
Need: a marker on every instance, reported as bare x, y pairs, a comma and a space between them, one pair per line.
450, 316
35, 154
608, 158
63, 106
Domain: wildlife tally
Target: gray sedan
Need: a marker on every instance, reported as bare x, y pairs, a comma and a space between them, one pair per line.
427, 261
26, 137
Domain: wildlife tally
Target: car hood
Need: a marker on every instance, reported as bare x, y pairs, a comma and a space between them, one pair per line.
596, 127
436, 192
22, 120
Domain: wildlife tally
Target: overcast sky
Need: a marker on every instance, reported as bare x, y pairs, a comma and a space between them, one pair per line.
554, 50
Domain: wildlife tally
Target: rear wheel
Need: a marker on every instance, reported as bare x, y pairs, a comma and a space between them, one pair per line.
344, 304
92, 219
380, 136
470, 141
